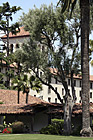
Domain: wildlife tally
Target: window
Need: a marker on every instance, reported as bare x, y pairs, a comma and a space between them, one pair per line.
17, 46
90, 94
49, 99
80, 83
80, 101
90, 85
74, 82
55, 100
40, 74
62, 91
68, 82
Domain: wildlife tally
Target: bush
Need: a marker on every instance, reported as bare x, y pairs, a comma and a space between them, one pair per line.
56, 127
1, 128
18, 127
7, 130
76, 132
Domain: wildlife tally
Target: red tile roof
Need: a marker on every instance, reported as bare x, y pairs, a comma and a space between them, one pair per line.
22, 33
55, 71
10, 97
77, 109
10, 106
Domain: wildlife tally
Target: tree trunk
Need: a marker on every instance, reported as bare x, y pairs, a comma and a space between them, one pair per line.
27, 92
85, 16
18, 95
26, 98
67, 115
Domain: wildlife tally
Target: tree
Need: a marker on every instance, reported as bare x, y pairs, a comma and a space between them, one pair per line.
23, 83
46, 26
85, 18
6, 13
22, 80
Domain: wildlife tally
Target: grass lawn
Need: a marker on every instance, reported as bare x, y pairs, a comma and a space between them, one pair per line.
39, 137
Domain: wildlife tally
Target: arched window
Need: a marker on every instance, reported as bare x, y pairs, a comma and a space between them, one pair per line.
17, 46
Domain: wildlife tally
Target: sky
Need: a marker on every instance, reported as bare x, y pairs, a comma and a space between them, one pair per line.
26, 5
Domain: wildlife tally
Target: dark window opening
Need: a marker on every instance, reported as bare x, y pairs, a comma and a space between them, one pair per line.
90, 94
17, 46
49, 99
90, 85
68, 82
55, 100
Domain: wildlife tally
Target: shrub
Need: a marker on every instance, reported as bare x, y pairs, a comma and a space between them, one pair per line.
18, 127
56, 127
1, 128
76, 132
7, 130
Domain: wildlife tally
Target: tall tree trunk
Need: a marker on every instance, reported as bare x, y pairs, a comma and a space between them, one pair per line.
85, 16
8, 67
67, 115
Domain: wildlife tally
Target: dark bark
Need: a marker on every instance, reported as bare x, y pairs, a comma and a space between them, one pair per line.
18, 95
73, 89
27, 92
85, 16
67, 115
26, 97
8, 77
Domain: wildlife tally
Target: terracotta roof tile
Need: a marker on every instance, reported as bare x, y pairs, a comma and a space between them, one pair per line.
55, 71
10, 106
19, 34
10, 97
77, 109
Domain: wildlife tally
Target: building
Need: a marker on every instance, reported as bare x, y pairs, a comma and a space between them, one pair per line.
30, 114
16, 41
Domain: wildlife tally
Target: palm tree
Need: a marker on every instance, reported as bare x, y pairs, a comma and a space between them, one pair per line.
23, 83
17, 83
85, 18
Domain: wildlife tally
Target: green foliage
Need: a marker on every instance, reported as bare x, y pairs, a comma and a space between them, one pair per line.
1, 102
18, 127
76, 132
57, 35
55, 128
6, 12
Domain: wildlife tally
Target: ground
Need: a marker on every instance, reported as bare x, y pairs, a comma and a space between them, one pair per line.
39, 137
